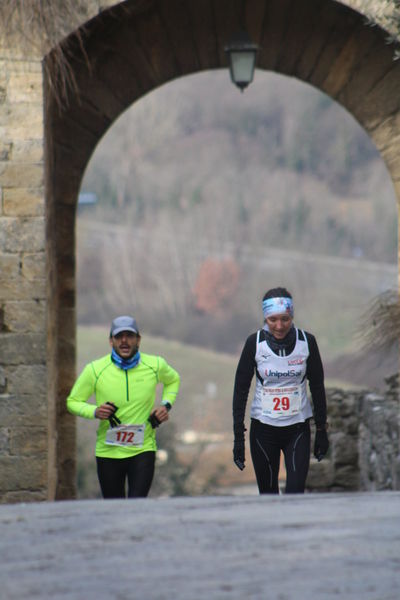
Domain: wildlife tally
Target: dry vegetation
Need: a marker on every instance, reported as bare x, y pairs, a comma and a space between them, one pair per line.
385, 13
39, 28
41, 25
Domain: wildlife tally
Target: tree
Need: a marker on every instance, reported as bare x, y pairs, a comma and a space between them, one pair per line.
215, 284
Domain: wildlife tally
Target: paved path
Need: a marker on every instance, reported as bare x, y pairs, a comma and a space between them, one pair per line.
312, 547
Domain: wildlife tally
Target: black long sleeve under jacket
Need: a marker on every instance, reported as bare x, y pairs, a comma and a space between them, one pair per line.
247, 367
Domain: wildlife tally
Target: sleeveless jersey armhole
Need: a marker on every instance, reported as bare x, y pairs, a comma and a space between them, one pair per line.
258, 376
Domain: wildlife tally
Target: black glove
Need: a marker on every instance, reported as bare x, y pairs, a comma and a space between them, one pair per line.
238, 446
321, 444
238, 454
154, 421
113, 419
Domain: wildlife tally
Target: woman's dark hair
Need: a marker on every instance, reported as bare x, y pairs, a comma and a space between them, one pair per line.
278, 292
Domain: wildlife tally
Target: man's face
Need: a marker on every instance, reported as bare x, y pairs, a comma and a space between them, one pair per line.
125, 343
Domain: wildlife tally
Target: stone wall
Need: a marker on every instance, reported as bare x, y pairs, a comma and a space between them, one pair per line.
365, 443
23, 394
28, 430
378, 441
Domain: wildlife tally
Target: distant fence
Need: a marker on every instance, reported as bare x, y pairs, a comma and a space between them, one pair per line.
365, 442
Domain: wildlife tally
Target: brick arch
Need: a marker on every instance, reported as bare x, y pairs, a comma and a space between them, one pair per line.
138, 45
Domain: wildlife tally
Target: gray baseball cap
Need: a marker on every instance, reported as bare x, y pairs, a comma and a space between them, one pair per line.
124, 323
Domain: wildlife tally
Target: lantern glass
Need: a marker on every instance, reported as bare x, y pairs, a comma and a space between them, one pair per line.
242, 67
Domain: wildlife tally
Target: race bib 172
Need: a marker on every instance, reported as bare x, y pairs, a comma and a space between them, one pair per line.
125, 435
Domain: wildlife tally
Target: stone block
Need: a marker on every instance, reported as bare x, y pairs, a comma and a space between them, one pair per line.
4, 441
23, 348
21, 473
344, 449
22, 235
22, 121
396, 185
34, 266
386, 136
347, 477
23, 202
320, 475
18, 411
22, 289
23, 316
30, 380
340, 404
67, 428
23, 496
27, 151
344, 64
3, 380
67, 327
28, 441
25, 87
352, 426
26, 175
5, 149
10, 65
9, 266
396, 473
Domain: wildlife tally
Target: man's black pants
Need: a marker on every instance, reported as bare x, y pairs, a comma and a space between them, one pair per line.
137, 470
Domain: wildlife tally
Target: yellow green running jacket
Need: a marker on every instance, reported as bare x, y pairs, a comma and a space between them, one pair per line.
132, 391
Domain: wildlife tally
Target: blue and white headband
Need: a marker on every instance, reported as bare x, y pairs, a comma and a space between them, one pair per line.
277, 306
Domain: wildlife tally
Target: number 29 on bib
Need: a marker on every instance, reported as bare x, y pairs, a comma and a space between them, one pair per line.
281, 402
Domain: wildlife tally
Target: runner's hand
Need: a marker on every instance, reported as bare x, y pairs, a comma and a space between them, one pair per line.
238, 454
107, 411
154, 422
158, 416
238, 446
321, 444
113, 419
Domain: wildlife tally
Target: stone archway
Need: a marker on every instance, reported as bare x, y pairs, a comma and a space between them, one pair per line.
134, 47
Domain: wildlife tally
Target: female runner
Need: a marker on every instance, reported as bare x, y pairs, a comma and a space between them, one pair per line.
283, 358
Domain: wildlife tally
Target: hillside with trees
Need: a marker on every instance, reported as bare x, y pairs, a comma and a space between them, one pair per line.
281, 159
207, 197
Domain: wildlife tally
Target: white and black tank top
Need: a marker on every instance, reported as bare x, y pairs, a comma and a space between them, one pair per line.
280, 396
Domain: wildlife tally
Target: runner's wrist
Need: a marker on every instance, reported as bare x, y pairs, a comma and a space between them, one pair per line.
322, 426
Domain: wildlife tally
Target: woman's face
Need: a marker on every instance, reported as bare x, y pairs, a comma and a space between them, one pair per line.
279, 325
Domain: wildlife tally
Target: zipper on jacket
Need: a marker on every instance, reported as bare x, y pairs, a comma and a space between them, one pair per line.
127, 386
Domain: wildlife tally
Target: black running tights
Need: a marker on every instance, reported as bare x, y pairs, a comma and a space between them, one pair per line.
113, 472
266, 443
